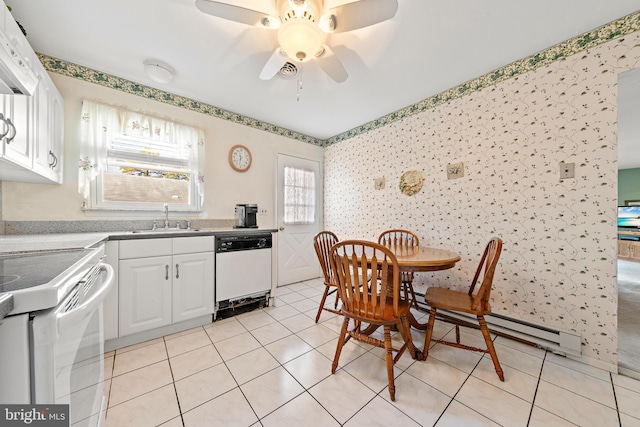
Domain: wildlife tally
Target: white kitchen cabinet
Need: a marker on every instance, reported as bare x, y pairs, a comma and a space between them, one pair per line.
56, 132
17, 130
31, 132
48, 129
164, 281
192, 285
145, 292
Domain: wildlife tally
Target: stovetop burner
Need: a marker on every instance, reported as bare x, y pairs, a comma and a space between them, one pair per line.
5, 279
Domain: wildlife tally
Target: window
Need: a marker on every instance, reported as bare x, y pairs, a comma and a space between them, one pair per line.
133, 161
299, 196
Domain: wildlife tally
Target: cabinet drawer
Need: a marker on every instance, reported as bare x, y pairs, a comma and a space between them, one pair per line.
144, 248
191, 245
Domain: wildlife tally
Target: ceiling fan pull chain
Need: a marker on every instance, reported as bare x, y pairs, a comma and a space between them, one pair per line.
299, 85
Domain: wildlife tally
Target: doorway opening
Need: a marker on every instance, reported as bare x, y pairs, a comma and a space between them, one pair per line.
629, 250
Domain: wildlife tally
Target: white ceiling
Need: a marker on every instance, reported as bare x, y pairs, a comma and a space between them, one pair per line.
428, 47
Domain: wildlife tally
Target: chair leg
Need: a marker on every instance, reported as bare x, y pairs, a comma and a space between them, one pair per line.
335, 305
389, 358
490, 347
427, 339
405, 332
341, 340
324, 298
414, 301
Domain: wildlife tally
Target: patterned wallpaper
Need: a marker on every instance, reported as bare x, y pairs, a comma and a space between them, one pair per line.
558, 266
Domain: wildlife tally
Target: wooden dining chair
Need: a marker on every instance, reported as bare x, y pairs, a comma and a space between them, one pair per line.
374, 302
467, 302
402, 239
322, 242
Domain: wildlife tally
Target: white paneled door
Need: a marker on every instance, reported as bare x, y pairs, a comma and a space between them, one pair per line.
299, 210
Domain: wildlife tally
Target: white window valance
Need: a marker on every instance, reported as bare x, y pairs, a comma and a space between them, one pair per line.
109, 131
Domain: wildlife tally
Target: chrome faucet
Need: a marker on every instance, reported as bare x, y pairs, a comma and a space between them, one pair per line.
165, 209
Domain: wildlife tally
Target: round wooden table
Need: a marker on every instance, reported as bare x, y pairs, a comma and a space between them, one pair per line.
424, 258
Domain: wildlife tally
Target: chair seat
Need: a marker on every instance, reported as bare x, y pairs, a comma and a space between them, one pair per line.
388, 317
448, 299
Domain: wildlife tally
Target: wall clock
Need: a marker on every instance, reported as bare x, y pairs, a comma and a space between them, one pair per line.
240, 158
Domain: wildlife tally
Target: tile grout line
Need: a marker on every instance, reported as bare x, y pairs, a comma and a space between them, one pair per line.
535, 393
173, 383
615, 398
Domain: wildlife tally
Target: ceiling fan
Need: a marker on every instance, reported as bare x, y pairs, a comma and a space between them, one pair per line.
303, 26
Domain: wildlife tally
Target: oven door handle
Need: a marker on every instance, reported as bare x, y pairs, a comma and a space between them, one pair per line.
85, 309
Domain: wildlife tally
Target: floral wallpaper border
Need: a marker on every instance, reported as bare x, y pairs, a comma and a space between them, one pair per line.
621, 27
607, 32
69, 69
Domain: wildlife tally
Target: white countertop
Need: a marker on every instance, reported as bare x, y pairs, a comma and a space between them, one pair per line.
49, 242
11, 244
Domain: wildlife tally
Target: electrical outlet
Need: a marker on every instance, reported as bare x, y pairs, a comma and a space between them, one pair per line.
263, 211
567, 170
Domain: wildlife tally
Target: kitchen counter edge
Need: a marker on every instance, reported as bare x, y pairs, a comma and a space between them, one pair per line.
130, 235
16, 244
6, 304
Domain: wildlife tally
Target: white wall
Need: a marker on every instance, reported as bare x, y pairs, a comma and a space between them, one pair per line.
224, 186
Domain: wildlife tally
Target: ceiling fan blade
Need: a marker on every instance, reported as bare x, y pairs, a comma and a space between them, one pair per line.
360, 14
273, 65
331, 65
234, 13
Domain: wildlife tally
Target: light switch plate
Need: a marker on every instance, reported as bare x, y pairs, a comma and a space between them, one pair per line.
567, 170
455, 170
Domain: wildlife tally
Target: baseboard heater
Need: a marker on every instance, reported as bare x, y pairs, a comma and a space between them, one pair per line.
557, 341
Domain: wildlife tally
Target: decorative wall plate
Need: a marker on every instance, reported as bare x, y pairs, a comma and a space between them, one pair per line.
411, 182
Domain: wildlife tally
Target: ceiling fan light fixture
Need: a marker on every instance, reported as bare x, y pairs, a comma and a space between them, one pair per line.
300, 39
158, 71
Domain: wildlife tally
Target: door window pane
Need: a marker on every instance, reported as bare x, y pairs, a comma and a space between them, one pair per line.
299, 196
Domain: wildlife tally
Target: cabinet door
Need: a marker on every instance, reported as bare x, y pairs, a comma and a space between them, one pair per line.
634, 251
42, 159
56, 129
192, 285
144, 298
623, 248
17, 143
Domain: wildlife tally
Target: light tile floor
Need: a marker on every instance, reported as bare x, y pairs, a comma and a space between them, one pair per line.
272, 367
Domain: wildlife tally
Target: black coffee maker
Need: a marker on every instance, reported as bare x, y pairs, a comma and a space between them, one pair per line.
246, 216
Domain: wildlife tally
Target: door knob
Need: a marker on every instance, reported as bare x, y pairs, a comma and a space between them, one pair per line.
281, 228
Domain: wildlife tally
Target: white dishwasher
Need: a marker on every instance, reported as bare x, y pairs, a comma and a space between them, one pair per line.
243, 270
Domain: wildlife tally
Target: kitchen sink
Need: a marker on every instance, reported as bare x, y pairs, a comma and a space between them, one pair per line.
167, 230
